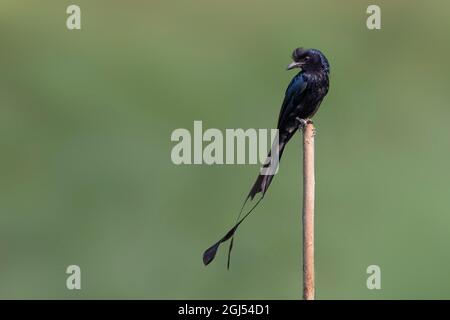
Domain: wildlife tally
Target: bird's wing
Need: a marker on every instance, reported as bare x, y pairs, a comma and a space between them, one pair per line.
295, 89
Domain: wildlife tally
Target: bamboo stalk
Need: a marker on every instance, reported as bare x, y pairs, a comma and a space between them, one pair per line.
308, 211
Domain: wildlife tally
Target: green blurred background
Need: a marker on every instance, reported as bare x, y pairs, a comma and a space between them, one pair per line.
85, 170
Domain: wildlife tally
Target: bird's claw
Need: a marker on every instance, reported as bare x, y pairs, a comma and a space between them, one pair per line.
301, 123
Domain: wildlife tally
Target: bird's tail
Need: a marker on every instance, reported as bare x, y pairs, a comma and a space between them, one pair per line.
261, 185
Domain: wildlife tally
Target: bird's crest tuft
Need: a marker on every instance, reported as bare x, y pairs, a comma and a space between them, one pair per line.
297, 54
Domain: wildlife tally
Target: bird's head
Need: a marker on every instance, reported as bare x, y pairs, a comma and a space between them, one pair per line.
309, 60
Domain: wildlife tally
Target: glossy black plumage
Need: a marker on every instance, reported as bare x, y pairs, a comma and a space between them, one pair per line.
302, 99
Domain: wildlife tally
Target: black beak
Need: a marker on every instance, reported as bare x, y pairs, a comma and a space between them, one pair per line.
294, 65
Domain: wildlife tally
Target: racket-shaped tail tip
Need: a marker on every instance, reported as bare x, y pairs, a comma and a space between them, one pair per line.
210, 253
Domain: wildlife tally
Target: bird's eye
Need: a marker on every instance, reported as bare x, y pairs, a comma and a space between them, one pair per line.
307, 58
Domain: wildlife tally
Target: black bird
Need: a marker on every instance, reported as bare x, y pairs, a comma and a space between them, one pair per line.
301, 101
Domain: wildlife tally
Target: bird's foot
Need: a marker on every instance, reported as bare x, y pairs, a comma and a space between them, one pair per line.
301, 123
